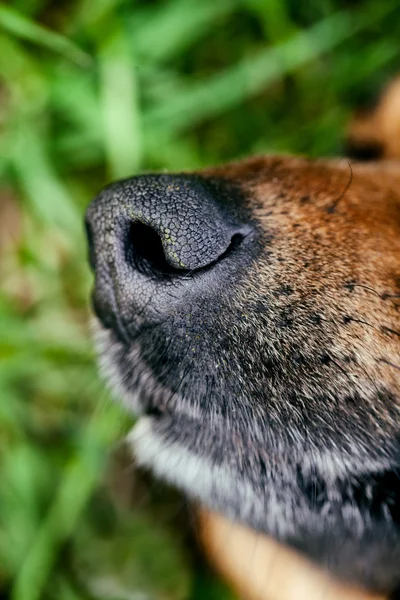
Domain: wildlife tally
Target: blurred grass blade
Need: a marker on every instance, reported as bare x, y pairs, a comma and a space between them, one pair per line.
76, 488
274, 16
92, 14
177, 25
76, 100
229, 88
20, 26
40, 183
120, 110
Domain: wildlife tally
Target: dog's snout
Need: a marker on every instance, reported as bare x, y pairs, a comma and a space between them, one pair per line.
149, 233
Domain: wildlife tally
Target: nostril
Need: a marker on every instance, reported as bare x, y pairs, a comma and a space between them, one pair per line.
154, 239
145, 251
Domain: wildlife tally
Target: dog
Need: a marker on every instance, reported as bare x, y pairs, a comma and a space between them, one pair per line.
250, 315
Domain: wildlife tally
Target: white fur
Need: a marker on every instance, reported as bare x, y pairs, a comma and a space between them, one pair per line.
209, 483
108, 370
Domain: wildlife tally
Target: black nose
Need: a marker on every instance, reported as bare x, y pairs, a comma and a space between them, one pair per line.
149, 236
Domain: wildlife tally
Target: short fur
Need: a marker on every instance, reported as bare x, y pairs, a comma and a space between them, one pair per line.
272, 393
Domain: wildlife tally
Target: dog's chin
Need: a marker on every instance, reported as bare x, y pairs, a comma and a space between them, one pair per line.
162, 438
338, 534
213, 485
310, 497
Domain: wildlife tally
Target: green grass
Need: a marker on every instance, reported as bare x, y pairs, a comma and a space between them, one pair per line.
91, 91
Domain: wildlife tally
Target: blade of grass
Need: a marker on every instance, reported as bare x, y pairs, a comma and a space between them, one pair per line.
76, 99
176, 26
274, 17
77, 486
26, 29
28, 7
120, 108
171, 153
229, 88
91, 14
25, 88
40, 182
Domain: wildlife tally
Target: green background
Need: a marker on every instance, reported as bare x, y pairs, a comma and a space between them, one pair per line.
93, 90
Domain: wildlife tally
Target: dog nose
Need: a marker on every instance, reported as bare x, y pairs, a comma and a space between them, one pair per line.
150, 235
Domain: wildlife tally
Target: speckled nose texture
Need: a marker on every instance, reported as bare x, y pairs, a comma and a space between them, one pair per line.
148, 232
185, 212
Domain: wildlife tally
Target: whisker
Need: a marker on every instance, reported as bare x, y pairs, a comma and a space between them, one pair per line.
383, 296
332, 208
353, 285
349, 319
386, 296
389, 330
387, 362
186, 372
382, 328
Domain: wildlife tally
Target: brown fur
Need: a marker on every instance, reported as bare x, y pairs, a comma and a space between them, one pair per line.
324, 295
361, 236
347, 218
341, 220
